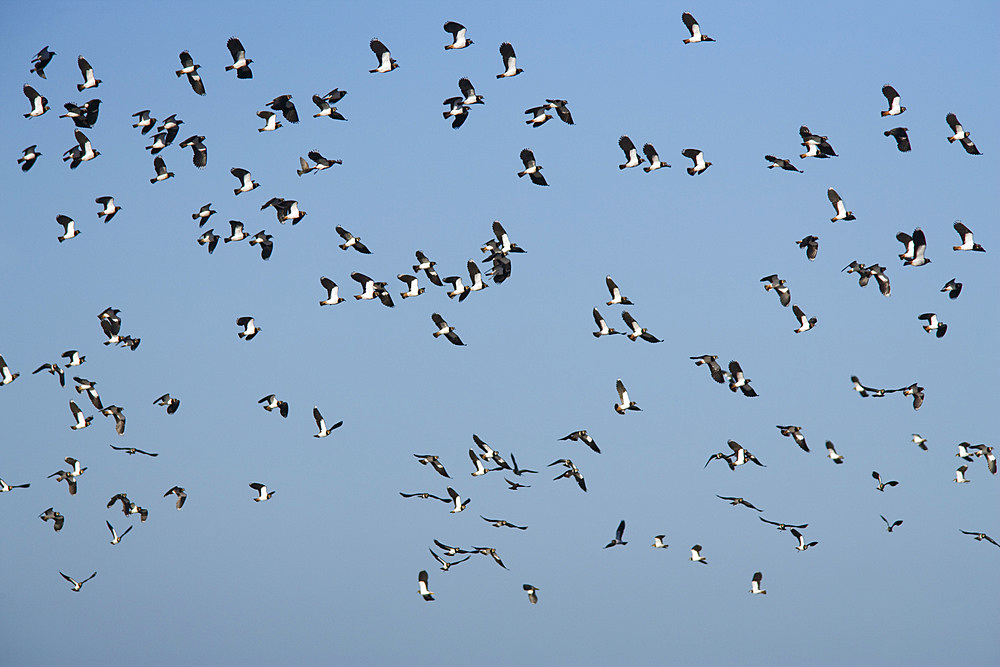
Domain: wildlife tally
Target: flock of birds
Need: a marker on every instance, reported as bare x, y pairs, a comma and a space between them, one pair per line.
498, 250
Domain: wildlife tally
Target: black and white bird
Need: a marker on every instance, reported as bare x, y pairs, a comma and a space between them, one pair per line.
160, 167
584, 437
88, 75
145, 121
424, 495
619, 535
805, 323
133, 450
74, 356
246, 181
735, 500
916, 391
115, 537
169, 402
250, 329
902, 139
838, 206
616, 294
446, 330
658, 542
817, 146
742, 455
795, 433
783, 526
892, 97
110, 208
538, 115
458, 38
699, 161
53, 369
713, 366
189, 68
959, 134
831, 452
531, 168
199, 151
434, 462
39, 104
240, 61
427, 266
780, 162
28, 157
209, 238
561, 108
180, 493
696, 555
426, 593
979, 537
325, 109
445, 565
83, 116
632, 158
203, 214
82, 152
264, 241
802, 542
78, 417
880, 485
914, 248
960, 474
953, 288
90, 388
624, 403
332, 292
41, 60
653, 157
890, 526
321, 163
284, 104
755, 584
509, 61
739, 381
262, 492
386, 63
57, 519
811, 245
933, 324
986, 451
518, 470
128, 507
531, 590
469, 95
502, 523
772, 282
919, 441
271, 402
351, 241
270, 121
637, 331
238, 232
480, 468
571, 471
694, 29
77, 585
602, 326
965, 234
323, 429
457, 500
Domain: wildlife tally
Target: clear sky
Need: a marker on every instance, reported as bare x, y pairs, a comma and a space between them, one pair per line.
326, 571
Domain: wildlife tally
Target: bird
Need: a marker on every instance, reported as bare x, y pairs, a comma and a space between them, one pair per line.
28, 157
584, 437
516, 470
434, 462
713, 366
755, 584
772, 282
619, 534
161, 170
914, 248
738, 501
832, 453
458, 38
84, 385
321, 163
211, 239
653, 157
180, 493
427, 266
501, 523
238, 233
795, 433
82, 152
74, 356
264, 241
39, 103
966, 235
53, 369
953, 288
514, 486
386, 63
249, 328
696, 555
425, 496
451, 551
480, 468
492, 553
77, 585
920, 441
632, 158
333, 292
199, 152
694, 29
739, 381
115, 537
902, 139
960, 474
128, 507
367, 285
532, 596
623, 400
271, 402
189, 68
782, 526
262, 492
85, 115
351, 241
987, 452
145, 121
240, 61
802, 542
321, 424
616, 294
110, 208
979, 537
883, 281
203, 214
602, 326
562, 110
637, 331
880, 484
817, 146
805, 323
509, 61
445, 565
457, 499
742, 455
658, 542
169, 402
57, 519
88, 75
81, 421
893, 98
780, 162
838, 206
133, 450
425, 593
325, 109
917, 392
933, 324
41, 60
699, 161
444, 329
539, 117
531, 168
4, 486
246, 181
958, 134
270, 121
284, 104
890, 526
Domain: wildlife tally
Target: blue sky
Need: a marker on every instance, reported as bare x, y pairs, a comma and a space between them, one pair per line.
327, 569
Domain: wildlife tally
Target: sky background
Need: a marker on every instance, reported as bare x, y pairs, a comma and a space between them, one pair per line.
327, 569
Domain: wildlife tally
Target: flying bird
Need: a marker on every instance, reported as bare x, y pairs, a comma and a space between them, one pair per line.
160, 167
696, 555
616, 294
41, 59
694, 29
4, 486
959, 134
584, 437
734, 501
445, 565
532, 169
211, 239
284, 104
811, 245
933, 325
795, 433
169, 402
902, 139
457, 499
246, 181
271, 402
199, 152
619, 534
802, 543
782, 526
713, 366
966, 235
755, 584
249, 328
458, 38
894, 524
332, 292
39, 104
351, 241
538, 115
189, 68
805, 323
386, 63
880, 484
838, 206
772, 282
892, 97
325, 109
832, 453
501, 523
115, 537
425, 592
77, 585
602, 326
88, 75
953, 288
57, 519
270, 121
446, 330
780, 162
623, 400
82, 152
532, 597
699, 161
637, 331
262, 492
53, 369
265, 243
979, 537
632, 158
739, 381
28, 157
240, 61
321, 424
653, 157
133, 450
509, 61
561, 108
434, 462
180, 493
81, 421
